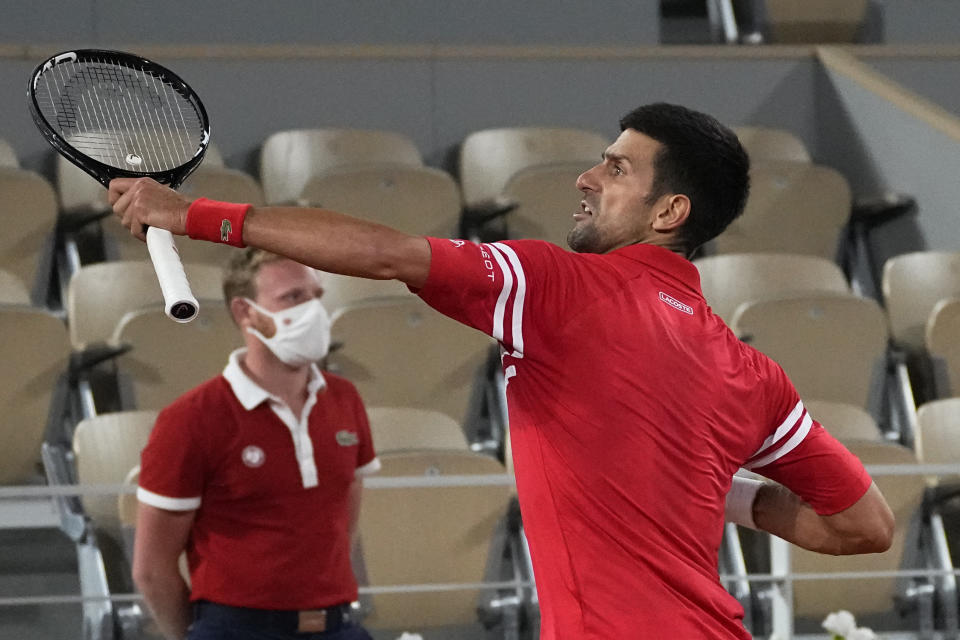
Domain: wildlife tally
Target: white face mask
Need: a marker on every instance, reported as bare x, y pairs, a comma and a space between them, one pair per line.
302, 335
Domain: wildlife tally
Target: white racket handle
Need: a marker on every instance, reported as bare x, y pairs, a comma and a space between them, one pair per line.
178, 301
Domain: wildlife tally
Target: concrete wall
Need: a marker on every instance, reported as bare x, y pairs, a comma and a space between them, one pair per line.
933, 77
921, 21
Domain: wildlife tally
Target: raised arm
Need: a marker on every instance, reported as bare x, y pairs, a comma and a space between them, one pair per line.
864, 527
319, 238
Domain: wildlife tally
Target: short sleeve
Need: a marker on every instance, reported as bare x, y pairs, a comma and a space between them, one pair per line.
171, 465
801, 455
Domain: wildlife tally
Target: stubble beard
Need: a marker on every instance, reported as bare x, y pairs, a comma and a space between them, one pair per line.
584, 238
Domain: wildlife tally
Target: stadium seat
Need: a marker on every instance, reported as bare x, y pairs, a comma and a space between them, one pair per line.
35, 354
768, 143
431, 535
730, 280
833, 347
405, 428
100, 294
873, 600
289, 159
12, 289
942, 343
938, 438
814, 21
793, 207
8, 157
489, 158
400, 353
343, 291
105, 447
912, 285
168, 358
416, 200
546, 198
844, 421
28, 208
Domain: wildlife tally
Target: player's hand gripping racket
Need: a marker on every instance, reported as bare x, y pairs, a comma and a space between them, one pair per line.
114, 114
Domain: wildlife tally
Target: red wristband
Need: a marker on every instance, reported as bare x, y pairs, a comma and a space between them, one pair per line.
216, 221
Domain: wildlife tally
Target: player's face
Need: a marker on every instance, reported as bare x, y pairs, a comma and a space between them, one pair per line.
615, 210
282, 284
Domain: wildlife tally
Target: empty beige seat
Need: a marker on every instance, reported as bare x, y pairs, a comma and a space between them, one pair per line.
100, 294
768, 143
343, 291
405, 428
489, 158
401, 353
28, 208
793, 207
943, 345
814, 599
912, 285
938, 440
546, 197
289, 159
8, 157
12, 289
416, 200
105, 448
35, 352
815, 21
169, 358
831, 346
729, 280
429, 535
844, 421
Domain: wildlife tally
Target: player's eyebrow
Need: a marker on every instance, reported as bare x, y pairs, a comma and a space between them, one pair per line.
615, 157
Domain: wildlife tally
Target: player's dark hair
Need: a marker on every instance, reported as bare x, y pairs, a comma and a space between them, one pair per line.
699, 158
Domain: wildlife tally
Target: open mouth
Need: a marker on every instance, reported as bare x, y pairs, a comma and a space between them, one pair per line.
583, 212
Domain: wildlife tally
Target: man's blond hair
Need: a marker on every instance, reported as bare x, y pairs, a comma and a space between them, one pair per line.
239, 280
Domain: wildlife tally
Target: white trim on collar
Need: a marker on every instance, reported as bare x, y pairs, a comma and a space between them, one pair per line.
249, 393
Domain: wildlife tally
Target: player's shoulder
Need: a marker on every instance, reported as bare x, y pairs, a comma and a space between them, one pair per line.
208, 396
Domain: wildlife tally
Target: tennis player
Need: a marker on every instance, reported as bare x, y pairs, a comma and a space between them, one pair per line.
631, 404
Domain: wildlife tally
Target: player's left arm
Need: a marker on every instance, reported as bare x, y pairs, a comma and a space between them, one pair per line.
864, 527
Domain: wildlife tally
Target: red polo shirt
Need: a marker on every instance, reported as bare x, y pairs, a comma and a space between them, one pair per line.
270, 489
631, 406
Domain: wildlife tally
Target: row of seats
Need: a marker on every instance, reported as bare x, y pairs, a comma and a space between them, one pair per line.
381, 176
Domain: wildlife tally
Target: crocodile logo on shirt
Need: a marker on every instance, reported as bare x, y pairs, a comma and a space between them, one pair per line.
347, 438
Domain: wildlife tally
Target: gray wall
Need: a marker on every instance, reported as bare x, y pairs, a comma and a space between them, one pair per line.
437, 100
554, 22
935, 78
921, 21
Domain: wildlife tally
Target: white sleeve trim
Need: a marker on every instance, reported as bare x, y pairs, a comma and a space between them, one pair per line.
783, 429
368, 469
787, 447
164, 502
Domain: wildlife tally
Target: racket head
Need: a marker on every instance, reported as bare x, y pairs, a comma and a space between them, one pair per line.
115, 114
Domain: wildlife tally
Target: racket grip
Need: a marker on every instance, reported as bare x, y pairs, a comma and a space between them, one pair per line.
178, 301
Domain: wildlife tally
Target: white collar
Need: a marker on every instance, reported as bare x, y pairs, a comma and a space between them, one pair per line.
250, 394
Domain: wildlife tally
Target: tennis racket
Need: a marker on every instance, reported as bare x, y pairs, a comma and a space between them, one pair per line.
115, 114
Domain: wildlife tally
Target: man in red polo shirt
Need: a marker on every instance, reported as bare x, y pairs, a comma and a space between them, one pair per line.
631, 405
255, 474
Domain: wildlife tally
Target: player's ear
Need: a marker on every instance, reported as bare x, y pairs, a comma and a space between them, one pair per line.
240, 310
672, 212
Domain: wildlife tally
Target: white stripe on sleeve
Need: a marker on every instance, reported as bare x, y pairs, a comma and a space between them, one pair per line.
783, 429
518, 300
164, 502
500, 310
787, 447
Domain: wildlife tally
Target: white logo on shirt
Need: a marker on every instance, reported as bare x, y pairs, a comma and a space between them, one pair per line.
253, 456
676, 304
347, 438
458, 243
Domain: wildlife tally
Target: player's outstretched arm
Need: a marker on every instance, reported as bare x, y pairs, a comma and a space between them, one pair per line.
319, 238
864, 527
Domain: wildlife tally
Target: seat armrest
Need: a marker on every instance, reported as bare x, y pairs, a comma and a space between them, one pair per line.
58, 466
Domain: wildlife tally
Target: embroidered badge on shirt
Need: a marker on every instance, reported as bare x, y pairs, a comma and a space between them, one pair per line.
253, 456
347, 438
